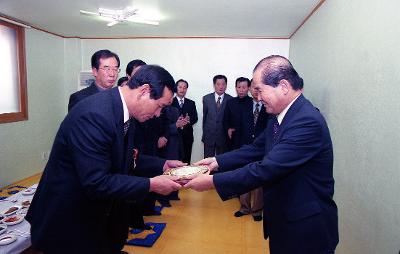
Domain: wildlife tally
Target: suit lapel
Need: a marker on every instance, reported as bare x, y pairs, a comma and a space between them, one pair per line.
119, 127
290, 114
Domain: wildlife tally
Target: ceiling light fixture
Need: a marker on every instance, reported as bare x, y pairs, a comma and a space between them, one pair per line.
118, 16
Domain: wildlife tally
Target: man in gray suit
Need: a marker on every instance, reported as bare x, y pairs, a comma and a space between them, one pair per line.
214, 136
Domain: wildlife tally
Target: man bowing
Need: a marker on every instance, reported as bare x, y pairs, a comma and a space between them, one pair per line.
80, 204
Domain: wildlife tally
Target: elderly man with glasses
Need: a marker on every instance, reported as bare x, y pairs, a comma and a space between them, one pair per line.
105, 69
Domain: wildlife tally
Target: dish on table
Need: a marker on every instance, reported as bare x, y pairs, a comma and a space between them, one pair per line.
7, 239
29, 191
11, 210
187, 172
3, 228
26, 203
23, 211
12, 220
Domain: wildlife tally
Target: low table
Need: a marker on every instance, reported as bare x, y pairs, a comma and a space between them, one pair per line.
20, 230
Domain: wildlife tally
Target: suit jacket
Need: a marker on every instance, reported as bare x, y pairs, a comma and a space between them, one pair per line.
246, 131
239, 116
189, 107
296, 173
81, 94
174, 147
79, 203
213, 129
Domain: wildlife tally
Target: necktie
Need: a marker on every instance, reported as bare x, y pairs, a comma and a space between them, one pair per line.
256, 113
275, 129
181, 103
219, 102
126, 126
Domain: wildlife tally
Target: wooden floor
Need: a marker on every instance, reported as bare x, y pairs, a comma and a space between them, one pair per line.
200, 223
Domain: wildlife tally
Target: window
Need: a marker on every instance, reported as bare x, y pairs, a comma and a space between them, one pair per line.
13, 98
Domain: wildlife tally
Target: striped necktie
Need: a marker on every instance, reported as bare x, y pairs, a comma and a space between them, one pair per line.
219, 102
256, 113
275, 129
126, 126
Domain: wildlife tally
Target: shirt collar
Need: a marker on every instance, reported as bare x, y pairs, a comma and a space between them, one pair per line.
216, 96
179, 99
124, 107
281, 115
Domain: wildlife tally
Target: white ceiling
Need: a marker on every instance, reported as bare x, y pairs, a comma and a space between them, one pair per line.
178, 18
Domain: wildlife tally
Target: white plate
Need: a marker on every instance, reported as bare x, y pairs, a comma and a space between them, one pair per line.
19, 218
7, 239
12, 212
187, 171
29, 191
3, 228
23, 211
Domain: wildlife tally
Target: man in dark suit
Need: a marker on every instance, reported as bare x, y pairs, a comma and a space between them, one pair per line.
233, 113
292, 160
188, 111
214, 136
105, 69
80, 204
247, 119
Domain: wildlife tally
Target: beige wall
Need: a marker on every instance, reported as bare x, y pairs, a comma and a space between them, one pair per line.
348, 54
23, 143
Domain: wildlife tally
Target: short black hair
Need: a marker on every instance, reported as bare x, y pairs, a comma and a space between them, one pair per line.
102, 54
132, 65
242, 79
184, 81
219, 77
156, 76
275, 68
122, 80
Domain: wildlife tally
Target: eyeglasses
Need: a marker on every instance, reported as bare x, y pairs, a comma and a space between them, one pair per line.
110, 69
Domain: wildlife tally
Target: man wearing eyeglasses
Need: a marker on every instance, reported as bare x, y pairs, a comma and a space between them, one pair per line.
105, 69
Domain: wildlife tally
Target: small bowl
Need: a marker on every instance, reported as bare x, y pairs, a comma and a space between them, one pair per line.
12, 220
7, 239
11, 210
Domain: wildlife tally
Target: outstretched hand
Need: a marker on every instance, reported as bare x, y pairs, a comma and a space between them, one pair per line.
211, 163
172, 164
164, 184
201, 183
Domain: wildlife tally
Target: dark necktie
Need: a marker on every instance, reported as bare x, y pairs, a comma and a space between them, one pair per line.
275, 129
256, 113
126, 126
219, 102
181, 103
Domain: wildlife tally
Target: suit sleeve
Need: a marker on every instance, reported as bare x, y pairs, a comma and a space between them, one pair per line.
298, 144
205, 112
149, 166
90, 143
72, 101
242, 156
193, 114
